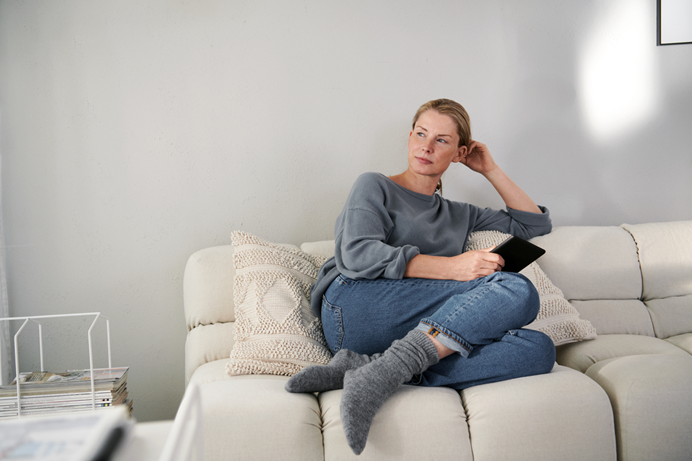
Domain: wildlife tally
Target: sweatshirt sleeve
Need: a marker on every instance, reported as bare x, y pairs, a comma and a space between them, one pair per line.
361, 235
522, 224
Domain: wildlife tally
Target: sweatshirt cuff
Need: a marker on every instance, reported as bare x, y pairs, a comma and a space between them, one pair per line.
529, 218
397, 269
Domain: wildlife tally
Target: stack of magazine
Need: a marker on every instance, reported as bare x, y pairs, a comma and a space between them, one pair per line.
47, 393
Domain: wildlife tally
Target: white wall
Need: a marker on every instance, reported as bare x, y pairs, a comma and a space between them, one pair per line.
134, 133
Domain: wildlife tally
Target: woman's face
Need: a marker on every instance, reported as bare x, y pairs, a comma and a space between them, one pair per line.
433, 144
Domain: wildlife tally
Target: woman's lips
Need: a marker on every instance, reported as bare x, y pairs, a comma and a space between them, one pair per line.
424, 161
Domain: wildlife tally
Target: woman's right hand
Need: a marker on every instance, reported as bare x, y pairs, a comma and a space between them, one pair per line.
463, 268
475, 264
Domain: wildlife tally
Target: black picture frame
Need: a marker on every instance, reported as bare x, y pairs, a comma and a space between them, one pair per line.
663, 22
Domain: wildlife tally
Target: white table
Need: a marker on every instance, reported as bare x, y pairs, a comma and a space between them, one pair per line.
146, 442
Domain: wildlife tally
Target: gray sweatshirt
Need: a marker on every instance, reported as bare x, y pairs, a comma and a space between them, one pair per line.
383, 225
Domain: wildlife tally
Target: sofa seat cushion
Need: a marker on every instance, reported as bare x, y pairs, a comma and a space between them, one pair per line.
254, 418
560, 415
415, 423
580, 356
651, 404
684, 342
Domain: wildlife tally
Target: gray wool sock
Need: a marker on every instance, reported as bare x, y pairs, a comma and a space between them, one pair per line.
321, 378
368, 387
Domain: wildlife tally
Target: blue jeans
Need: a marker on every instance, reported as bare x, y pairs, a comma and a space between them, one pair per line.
482, 320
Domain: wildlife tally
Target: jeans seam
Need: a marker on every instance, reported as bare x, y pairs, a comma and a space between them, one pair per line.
417, 281
336, 311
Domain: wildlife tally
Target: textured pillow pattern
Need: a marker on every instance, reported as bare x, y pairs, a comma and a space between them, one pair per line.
557, 317
276, 331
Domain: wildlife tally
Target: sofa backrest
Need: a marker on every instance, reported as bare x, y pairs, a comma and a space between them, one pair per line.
665, 256
209, 309
597, 269
589, 263
632, 279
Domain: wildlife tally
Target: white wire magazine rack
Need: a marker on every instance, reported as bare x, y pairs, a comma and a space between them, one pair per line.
96, 315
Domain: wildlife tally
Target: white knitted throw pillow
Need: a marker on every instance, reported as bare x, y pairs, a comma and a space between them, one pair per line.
557, 317
276, 331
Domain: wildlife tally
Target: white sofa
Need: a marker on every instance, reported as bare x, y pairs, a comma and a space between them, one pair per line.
625, 395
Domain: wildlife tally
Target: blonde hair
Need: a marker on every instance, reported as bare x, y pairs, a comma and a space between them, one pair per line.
454, 110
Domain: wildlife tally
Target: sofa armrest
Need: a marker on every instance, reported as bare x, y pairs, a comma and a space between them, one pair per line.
208, 287
207, 343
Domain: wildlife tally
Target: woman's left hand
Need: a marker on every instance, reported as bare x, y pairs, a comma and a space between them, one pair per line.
478, 158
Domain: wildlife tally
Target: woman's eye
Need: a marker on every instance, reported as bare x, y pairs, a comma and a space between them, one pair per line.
420, 134
442, 140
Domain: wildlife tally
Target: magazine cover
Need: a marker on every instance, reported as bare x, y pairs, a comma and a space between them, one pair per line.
42, 382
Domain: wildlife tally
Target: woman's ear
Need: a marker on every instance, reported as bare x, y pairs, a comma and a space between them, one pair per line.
462, 153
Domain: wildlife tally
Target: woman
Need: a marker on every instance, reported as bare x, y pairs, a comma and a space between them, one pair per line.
401, 302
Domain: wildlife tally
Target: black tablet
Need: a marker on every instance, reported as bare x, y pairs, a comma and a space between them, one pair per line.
517, 253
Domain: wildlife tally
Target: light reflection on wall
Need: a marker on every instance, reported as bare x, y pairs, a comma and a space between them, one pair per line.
617, 80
